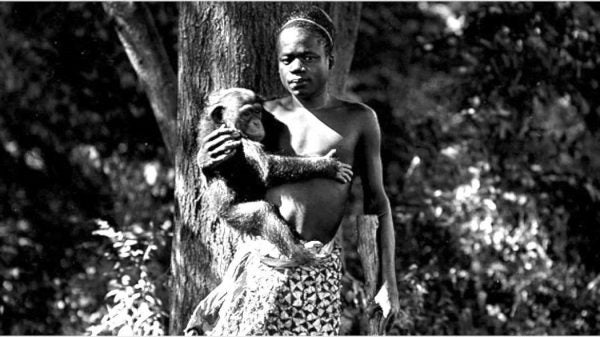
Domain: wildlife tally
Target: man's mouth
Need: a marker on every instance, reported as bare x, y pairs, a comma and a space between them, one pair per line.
298, 81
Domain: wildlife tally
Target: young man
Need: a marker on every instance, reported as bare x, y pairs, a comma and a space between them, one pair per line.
316, 123
313, 122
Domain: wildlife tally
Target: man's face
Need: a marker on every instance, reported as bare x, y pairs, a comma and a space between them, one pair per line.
303, 64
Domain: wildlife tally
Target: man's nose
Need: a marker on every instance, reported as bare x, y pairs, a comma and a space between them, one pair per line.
297, 66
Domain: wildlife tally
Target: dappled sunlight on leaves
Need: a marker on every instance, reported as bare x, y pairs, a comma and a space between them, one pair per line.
498, 218
134, 307
490, 119
68, 131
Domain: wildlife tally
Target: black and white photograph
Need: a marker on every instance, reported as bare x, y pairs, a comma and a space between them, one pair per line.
235, 168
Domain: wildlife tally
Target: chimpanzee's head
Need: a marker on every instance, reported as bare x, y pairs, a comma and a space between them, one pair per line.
238, 108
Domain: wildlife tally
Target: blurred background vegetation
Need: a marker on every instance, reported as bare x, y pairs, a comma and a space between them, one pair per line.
490, 116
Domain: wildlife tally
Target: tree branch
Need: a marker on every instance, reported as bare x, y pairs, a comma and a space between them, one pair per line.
146, 52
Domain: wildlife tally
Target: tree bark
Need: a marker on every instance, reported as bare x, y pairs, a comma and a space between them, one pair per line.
143, 45
222, 45
346, 17
366, 227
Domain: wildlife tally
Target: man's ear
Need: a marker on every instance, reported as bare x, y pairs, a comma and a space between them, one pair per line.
331, 61
216, 113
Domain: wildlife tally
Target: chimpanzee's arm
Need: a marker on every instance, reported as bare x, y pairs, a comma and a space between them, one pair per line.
277, 170
284, 169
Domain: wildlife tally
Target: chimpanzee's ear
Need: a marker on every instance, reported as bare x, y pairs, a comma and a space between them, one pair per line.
216, 113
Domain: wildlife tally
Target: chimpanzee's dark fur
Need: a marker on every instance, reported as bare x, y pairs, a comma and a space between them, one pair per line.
236, 189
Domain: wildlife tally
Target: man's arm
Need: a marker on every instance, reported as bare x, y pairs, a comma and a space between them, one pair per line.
376, 202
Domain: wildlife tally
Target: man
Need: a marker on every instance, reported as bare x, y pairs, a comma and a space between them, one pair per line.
310, 121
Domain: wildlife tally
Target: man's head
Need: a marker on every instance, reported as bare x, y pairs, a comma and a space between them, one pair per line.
315, 21
305, 44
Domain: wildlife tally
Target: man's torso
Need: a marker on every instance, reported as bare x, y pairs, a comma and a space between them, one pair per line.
314, 207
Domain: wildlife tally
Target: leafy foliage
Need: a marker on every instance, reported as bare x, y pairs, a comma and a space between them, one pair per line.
497, 209
136, 309
490, 122
76, 137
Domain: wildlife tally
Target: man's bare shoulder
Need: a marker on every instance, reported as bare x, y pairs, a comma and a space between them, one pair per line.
278, 105
358, 111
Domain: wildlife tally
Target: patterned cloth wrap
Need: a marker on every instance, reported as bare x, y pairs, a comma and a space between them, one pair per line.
258, 298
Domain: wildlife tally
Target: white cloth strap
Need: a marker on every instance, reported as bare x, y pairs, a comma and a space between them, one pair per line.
313, 23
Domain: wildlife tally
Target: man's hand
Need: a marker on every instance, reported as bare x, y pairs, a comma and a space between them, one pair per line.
217, 147
387, 300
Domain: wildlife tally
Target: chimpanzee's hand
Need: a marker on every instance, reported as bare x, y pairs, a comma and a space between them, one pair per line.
342, 172
217, 147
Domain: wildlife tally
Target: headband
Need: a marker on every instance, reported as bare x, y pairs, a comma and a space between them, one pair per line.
311, 22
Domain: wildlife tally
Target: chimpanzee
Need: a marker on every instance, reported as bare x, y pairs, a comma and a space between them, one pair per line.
235, 190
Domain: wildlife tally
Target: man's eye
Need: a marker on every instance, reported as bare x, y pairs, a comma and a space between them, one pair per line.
286, 60
309, 58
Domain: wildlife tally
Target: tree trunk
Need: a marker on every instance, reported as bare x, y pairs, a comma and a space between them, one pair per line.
345, 17
147, 54
223, 45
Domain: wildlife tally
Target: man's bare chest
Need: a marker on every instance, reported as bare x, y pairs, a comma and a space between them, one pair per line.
309, 135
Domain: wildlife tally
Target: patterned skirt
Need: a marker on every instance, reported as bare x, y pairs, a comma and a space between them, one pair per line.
257, 299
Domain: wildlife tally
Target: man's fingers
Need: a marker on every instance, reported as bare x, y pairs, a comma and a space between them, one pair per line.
372, 309
374, 312
382, 325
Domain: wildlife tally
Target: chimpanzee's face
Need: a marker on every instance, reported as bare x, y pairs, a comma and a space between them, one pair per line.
303, 62
248, 120
240, 109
